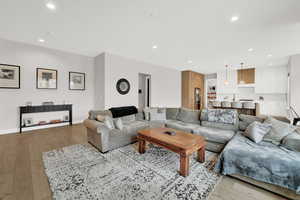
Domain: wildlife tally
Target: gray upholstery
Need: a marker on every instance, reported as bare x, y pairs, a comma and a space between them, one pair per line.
172, 113
189, 116
246, 120
214, 134
131, 128
225, 116
187, 127
233, 127
292, 141
256, 131
93, 113
264, 162
106, 139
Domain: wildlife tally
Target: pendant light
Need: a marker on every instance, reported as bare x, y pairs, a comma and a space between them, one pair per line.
242, 72
226, 82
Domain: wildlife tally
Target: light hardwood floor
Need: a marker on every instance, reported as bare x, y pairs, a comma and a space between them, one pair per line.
22, 175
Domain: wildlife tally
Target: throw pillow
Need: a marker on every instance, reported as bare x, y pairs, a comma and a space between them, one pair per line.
278, 131
119, 124
225, 116
256, 131
292, 141
100, 118
109, 122
158, 114
189, 116
172, 113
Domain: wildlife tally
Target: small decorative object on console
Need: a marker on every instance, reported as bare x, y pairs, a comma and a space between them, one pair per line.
42, 122
55, 121
28, 121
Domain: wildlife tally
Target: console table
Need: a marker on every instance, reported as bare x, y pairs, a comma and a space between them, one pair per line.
44, 108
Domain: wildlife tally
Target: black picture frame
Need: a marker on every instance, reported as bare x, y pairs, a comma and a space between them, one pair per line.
37, 78
19, 74
118, 86
80, 73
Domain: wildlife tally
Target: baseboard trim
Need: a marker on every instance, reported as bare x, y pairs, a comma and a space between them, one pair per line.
16, 130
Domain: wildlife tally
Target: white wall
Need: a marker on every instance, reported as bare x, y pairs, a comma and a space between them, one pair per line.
165, 82
99, 77
294, 70
29, 58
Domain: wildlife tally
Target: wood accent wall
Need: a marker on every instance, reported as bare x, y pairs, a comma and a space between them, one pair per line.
248, 75
189, 81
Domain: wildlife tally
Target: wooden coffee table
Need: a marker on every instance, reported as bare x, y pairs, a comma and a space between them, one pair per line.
182, 143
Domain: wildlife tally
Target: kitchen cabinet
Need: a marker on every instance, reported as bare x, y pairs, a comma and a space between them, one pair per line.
271, 80
246, 75
229, 88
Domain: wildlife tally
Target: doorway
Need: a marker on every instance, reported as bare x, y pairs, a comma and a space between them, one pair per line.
144, 90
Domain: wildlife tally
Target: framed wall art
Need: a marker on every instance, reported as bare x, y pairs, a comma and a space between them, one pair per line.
76, 81
9, 76
46, 78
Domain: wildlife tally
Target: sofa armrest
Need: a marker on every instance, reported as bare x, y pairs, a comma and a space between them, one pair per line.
94, 125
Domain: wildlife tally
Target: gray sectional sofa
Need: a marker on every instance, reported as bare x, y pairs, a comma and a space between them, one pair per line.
222, 129
217, 133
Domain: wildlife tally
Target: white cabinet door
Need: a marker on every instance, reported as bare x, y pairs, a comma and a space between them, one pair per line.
271, 80
229, 88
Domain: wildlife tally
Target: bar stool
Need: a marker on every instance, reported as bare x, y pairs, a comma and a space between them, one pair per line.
236, 104
216, 104
226, 104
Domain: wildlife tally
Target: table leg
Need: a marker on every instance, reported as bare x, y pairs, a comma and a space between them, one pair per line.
201, 155
142, 146
184, 165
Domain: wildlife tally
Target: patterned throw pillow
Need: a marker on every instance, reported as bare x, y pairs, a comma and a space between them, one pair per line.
224, 116
278, 131
256, 131
109, 122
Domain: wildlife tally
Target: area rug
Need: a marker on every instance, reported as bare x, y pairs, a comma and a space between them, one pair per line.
82, 172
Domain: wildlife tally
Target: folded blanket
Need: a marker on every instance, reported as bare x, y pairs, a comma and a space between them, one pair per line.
264, 162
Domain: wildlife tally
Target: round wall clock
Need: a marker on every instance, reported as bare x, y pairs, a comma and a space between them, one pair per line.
123, 86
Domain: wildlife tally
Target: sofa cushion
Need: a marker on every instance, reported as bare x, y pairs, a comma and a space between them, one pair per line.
278, 131
256, 131
134, 126
226, 116
158, 114
246, 120
233, 127
189, 116
171, 113
128, 118
214, 134
179, 125
292, 141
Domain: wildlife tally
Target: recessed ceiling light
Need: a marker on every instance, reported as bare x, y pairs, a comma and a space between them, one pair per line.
189, 61
41, 40
250, 49
270, 55
234, 18
154, 47
51, 5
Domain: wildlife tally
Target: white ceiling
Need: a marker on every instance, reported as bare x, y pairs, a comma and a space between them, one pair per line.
197, 30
